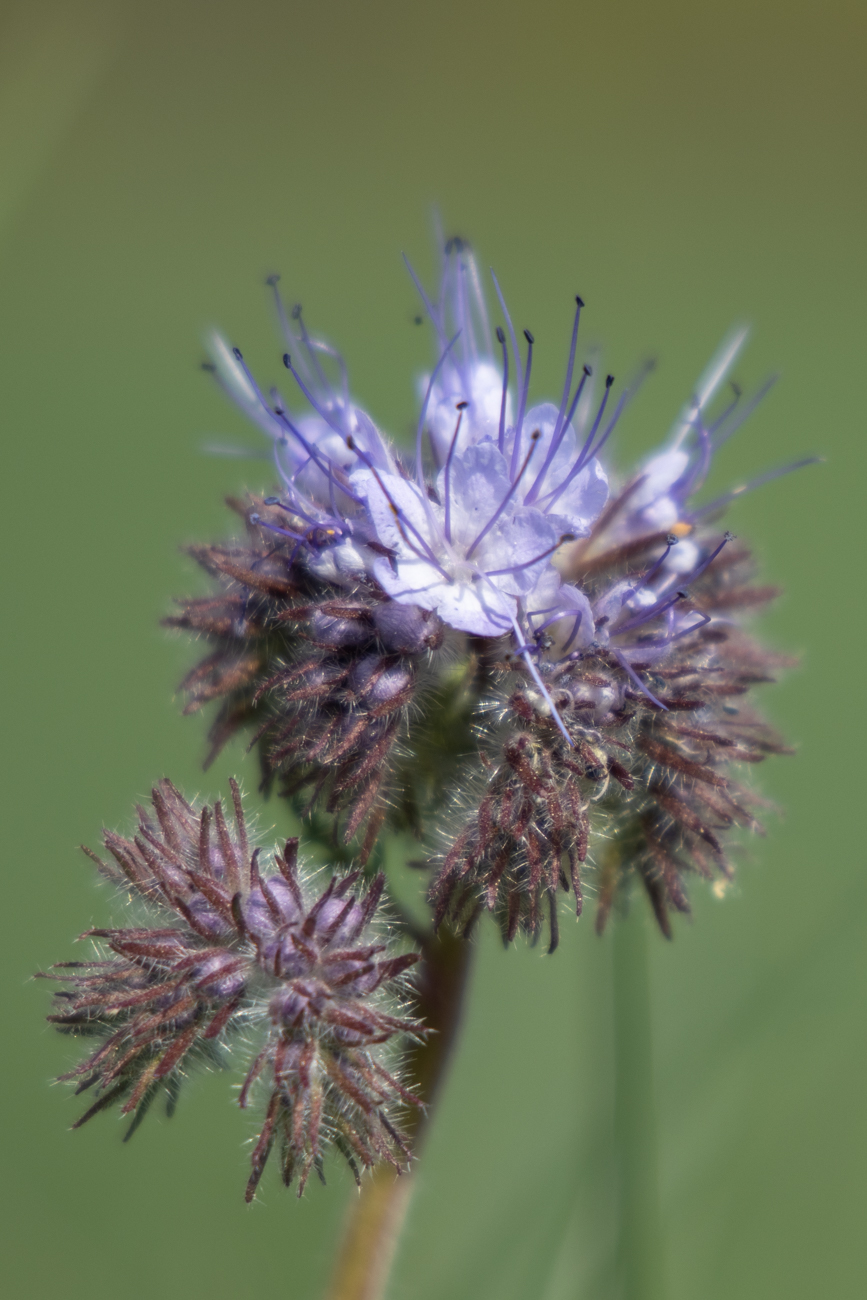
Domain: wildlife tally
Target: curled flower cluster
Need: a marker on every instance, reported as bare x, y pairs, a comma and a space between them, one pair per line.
539, 668
234, 950
600, 625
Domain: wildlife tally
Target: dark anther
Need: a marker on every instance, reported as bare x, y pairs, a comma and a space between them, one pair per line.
456, 244
254, 518
271, 501
588, 370
529, 337
609, 380
237, 352
579, 300
273, 279
461, 406
417, 320
209, 366
683, 594
296, 311
501, 338
535, 435
565, 537
671, 540
730, 537
287, 361
350, 442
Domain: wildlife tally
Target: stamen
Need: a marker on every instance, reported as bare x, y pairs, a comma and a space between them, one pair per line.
609, 380
272, 282
294, 509
481, 307
767, 477
557, 441
447, 471
309, 345
315, 455
463, 312
703, 620
501, 339
274, 528
630, 671
510, 327
534, 439
525, 655
587, 372
588, 452
667, 602
720, 420
419, 462
428, 305
645, 615
399, 515
721, 433
567, 387
559, 612
670, 542
320, 411
519, 423
575, 627
697, 572
528, 564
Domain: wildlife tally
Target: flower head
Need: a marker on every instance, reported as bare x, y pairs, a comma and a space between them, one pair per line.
231, 945
595, 614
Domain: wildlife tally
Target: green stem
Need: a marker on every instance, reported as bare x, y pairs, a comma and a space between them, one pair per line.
375, 1220
640, 1261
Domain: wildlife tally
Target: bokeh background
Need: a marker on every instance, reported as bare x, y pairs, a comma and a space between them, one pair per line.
683, 166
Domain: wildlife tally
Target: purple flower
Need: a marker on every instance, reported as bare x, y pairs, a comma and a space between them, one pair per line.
469, 554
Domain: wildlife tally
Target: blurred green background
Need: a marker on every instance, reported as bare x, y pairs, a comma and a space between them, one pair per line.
682, 166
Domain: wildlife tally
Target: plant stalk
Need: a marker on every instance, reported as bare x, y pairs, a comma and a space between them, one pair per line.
372, 1231
640, 1262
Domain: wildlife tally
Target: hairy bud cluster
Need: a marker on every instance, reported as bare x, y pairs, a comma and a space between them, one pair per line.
649, 783
233, 945
326, 676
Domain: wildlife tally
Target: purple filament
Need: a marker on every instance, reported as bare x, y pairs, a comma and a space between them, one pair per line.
419, 464
320, 411
534, 673
528, 564
586, 456
428, 305
767, 477
402, 521
510, 327
630, 671
501, 437
447, 476
721, 432
557, 440
525, 387
570, 366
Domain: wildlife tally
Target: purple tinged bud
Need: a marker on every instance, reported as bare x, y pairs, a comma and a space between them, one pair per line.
225, 931
407, 629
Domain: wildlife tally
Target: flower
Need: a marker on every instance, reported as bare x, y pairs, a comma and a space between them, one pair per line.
593, 613
470, 554
231, 946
